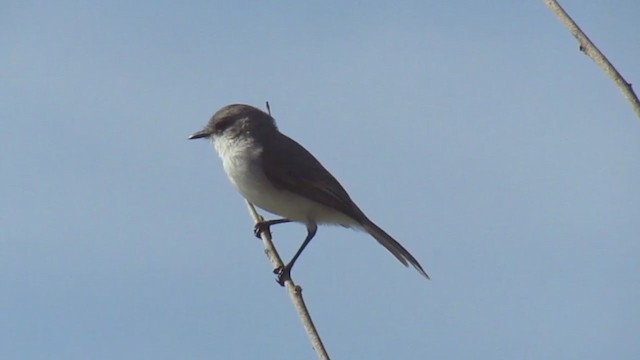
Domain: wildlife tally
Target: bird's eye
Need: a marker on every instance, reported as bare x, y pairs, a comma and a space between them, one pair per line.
222, 124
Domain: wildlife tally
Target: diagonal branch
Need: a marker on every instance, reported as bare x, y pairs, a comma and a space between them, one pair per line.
295, 291
592, 51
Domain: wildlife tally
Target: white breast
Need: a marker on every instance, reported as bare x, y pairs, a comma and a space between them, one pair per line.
241, 161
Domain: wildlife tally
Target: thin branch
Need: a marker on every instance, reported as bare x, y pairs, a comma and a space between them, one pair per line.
592, 51
295, 291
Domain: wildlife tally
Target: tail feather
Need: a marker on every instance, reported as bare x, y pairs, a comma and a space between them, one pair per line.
393, 246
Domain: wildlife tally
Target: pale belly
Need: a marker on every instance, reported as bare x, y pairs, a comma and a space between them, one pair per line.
248, 178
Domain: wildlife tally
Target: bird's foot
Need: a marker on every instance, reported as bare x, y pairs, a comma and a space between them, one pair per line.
283, 273
261, 227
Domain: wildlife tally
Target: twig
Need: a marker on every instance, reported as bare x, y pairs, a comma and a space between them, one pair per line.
592, 51
295, 291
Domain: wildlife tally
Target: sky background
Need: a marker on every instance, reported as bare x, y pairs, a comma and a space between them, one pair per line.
474, 132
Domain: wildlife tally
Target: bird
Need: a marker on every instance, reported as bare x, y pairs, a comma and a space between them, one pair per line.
277, 174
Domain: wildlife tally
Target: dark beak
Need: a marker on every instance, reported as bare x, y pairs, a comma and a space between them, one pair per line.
200, 134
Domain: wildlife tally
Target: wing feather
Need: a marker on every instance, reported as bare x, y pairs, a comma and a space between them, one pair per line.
304, 175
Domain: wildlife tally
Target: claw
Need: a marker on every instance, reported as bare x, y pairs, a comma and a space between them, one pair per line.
261, 227
283, 273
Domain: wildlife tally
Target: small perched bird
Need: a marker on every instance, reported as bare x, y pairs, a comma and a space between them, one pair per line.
277, 174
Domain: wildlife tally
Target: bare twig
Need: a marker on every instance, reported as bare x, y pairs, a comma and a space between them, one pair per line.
295, 291
592, 51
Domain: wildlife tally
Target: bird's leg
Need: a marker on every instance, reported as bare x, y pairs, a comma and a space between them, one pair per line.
284, 272
263, 226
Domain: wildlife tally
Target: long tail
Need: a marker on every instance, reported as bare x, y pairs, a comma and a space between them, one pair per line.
393, 246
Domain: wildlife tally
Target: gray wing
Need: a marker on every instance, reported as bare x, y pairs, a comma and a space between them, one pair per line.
304, 175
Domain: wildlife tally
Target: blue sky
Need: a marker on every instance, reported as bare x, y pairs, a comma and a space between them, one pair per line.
476, 133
